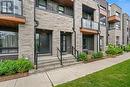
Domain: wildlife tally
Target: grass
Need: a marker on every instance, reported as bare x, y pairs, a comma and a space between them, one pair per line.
115, 76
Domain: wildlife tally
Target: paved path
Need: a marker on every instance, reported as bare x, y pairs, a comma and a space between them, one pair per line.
63, 75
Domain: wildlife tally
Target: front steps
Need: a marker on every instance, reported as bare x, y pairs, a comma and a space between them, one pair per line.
46, 63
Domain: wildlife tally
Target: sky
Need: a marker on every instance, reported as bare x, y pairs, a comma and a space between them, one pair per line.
124, 4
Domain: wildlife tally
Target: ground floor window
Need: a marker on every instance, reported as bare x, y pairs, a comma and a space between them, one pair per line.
88, 42
8, 42
101, 43
117, 40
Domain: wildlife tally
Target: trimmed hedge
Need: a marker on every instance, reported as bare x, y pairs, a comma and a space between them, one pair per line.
97, 55
9, 67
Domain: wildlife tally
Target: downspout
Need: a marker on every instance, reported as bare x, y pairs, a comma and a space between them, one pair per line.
98, 45
35, 26
74, 24
107, 25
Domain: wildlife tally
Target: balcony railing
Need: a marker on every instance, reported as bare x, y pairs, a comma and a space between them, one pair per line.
113, 28
11, 7
89, 24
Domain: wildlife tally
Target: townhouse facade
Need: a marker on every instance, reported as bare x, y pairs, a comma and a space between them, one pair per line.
115, 24
43, 27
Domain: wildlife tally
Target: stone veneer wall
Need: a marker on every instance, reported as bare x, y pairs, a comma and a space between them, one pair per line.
78, 15
26, 32
55, 22
113, 33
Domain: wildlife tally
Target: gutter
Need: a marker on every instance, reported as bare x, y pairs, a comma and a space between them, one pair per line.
98, 45
35, 26
74, 24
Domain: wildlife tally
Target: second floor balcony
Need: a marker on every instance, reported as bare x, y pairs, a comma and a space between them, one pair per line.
113, 19
11, 12
89, 26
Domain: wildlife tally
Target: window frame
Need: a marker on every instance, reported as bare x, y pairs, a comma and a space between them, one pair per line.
41, 5
6, 7
60, 11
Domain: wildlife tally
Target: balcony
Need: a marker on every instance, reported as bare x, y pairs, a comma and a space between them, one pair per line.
11, 13
89, 27
113, 19
65, 2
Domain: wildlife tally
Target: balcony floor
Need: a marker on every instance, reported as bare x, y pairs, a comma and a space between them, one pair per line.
11, 20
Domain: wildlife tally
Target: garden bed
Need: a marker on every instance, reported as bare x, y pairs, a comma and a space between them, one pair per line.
15, 76
13, 69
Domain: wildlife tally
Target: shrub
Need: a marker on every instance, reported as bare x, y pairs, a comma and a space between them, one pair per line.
114, 50
97, 55
83, 56
9, 67
127, 48
23, 65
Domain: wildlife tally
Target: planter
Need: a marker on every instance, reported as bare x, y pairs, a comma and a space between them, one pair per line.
15, 76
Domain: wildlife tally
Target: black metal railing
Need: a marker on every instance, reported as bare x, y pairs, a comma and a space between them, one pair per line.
75, 53
59, 56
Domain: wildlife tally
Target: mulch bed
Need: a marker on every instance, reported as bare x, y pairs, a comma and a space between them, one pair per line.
15, 76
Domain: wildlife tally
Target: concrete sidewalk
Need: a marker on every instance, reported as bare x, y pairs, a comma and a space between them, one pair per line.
63, 75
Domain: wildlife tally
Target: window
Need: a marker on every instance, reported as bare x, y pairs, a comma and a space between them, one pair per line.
101, 43
127, 22
117, 25
103, 8
103, 20
42, 4
61, 9
117, 14
7, 7
8, 42
117, 40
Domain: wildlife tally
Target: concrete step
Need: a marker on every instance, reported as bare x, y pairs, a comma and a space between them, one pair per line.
52, 63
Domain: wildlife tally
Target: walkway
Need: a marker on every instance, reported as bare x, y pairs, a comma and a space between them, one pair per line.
63, 75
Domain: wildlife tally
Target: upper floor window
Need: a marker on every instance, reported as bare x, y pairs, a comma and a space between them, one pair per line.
11, 7
117, 25
7, 7
42, 4
103, 8
103, 20
61, 9
127, 22
117, 14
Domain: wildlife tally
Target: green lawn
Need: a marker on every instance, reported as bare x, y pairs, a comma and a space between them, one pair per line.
115, 76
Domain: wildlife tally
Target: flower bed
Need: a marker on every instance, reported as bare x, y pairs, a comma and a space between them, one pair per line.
10, 77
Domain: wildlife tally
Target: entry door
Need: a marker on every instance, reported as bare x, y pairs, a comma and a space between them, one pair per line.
63, 43
43, 43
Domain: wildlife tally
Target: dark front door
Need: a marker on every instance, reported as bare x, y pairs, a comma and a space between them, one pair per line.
43, 42
66, 42
63, 42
